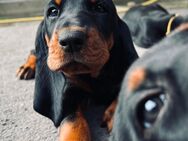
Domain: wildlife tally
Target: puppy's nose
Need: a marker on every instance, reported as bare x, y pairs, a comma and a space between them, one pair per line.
72, 41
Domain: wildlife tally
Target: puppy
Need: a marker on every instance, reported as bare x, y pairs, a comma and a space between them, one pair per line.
149, 24
83, 49
152, 105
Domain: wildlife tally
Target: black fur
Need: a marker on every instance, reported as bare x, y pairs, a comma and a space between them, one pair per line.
148, 24
55, 96
166, 74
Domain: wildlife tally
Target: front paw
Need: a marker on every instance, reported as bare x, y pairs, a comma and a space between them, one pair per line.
74, 128
27, 70
108, 116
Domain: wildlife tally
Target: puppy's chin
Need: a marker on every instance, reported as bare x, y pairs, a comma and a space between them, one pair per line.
75, 68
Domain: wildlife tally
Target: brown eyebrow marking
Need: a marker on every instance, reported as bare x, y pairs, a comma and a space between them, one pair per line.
136, 78
73, 28
58, 2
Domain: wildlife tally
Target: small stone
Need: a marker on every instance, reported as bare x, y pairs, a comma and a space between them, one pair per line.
4, 124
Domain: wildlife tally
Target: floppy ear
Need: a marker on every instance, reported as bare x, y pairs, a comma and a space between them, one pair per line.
53, 94
45, 97
122, 55
124, 42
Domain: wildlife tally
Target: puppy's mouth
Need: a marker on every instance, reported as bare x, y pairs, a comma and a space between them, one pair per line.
74, 68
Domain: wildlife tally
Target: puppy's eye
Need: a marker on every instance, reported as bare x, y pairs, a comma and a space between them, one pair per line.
99, 8
53, 12
149, 110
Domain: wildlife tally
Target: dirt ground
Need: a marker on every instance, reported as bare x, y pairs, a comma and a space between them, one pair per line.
18, 120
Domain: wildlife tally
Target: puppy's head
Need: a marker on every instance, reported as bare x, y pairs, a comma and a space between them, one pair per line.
79, 35
153, 101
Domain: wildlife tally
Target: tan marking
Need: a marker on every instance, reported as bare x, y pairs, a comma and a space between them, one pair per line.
108, 117
136, 78
76, 130
182, 27
56, 56
27, 70
47, 40
31, 61
58, 2
72, 28
97, 51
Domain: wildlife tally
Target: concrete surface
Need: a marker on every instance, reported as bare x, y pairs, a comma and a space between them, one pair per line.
21, 8
28, 8
18, 121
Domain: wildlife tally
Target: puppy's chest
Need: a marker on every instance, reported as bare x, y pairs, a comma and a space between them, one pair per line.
102, 90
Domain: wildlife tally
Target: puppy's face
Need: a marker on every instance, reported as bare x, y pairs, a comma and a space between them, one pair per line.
79, 35
153, 101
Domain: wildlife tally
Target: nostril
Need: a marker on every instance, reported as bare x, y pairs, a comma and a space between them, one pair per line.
78, 42
72, 41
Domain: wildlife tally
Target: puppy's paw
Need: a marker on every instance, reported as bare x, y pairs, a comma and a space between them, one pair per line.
109, 116
27, 70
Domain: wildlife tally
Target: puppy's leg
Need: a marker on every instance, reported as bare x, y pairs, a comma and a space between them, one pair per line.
74, 128
109, 116
27, 70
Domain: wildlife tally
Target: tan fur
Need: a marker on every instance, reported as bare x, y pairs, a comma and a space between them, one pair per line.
27, 70
76, 130
56, 55
136, 78
58, 2
72, 28
182, 27
108, 117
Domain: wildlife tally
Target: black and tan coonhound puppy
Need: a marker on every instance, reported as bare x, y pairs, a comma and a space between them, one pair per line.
153, 100
149, 24
83, 50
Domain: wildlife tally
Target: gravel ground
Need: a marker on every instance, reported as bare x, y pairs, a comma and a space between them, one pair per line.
18, 120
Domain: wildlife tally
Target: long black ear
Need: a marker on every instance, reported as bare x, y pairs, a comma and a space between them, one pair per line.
45, 95
49, 85
122, 55
124, 41
54, 97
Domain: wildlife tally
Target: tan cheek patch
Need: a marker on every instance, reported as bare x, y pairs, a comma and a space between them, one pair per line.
182, 27
47, 40
96, 53
55, 53
58, 2
136, 78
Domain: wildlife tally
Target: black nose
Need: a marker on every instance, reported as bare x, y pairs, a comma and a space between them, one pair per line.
72, 41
